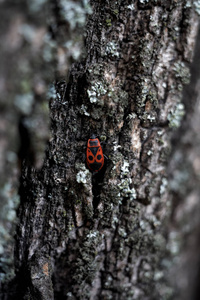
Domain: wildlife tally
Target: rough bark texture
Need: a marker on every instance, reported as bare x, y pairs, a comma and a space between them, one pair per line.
184, 183
103, 236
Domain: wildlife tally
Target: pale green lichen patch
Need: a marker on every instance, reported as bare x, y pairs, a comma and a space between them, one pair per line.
108, 22
108, 281
112, 49
114, 221
37, 5
51, 92
163, 186
131, 6
75, 48
197, 6
83, 110
96, 90
125, 190
182, 72
75, 13
125, 168
131, 116
149, 116
24, 103
144, 1
102, 138
81, 177
175, 116
84, 198
174, 243
83, 174
188, 4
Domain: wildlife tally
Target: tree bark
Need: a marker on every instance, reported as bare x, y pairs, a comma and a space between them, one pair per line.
184, 170
105, 236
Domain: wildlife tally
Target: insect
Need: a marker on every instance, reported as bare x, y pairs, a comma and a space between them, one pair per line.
94, 154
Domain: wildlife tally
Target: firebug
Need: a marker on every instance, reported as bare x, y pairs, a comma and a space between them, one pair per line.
94, 154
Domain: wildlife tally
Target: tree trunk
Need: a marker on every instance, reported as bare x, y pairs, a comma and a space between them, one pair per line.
184, 183
103, 236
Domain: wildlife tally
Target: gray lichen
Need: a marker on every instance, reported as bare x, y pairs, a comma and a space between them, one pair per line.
112, 49
182, 72
83, 175
197, 6
97, 89
75, 13
10, 198
175, 115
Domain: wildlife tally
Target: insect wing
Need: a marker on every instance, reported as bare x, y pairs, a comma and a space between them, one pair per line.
95, 158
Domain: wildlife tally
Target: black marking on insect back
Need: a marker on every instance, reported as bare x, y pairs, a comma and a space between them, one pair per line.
95, 166
93, 143
99, 157
94, 150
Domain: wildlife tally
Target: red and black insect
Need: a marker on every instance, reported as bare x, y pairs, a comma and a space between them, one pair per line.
95, 157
